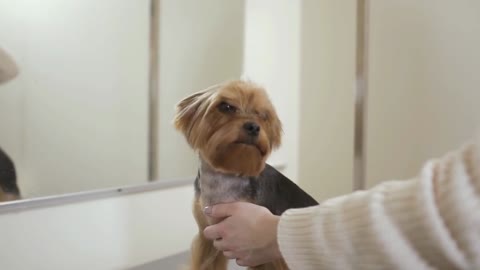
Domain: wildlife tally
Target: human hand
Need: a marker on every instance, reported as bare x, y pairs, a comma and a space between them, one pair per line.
247, 233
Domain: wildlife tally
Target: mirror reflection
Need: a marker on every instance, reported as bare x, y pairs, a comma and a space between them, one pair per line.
76, 117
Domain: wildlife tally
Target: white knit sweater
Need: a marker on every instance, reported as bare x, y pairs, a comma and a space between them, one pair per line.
429, 222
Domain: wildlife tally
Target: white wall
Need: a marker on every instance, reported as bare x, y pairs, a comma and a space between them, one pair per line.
75, 118
327, 97
272, 59
113, 233
201, 44
424, 91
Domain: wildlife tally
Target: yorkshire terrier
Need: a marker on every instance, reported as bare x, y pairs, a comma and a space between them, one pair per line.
234, 128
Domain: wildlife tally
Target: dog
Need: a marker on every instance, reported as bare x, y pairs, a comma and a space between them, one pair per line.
9, 190
234, 128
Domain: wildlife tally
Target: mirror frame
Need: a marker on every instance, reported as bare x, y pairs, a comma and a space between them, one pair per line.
361, 95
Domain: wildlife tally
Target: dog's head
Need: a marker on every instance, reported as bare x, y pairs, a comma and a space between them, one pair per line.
233, 126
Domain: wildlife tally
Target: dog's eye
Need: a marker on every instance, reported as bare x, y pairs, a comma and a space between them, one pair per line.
226, 108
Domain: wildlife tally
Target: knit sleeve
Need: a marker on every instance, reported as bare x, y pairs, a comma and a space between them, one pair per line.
429, 222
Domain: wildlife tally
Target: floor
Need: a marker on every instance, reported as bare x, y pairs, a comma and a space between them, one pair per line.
175, 262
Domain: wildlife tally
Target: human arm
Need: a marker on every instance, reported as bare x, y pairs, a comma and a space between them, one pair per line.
430, 221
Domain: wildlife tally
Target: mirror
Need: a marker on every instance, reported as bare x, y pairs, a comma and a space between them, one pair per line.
78, 116
93, 104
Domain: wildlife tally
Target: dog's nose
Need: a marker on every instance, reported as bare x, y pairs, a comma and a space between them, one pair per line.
251, 128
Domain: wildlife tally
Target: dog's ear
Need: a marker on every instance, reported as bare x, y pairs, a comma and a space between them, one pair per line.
190, 110
277, 132
185, 112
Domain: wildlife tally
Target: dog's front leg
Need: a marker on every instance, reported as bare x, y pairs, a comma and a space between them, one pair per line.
204, 255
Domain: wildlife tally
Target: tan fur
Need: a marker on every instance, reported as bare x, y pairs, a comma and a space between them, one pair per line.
204, 256
220, 138
213, 134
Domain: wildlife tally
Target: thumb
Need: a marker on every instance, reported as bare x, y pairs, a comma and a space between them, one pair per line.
222, 210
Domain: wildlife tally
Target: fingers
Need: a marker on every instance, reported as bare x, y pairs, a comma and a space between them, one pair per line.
241, 262
222, 245
219, 244
213, 232
239, 257
229, 254
222, 210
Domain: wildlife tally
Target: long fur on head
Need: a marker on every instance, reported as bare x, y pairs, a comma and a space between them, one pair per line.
190, 110
219, 136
